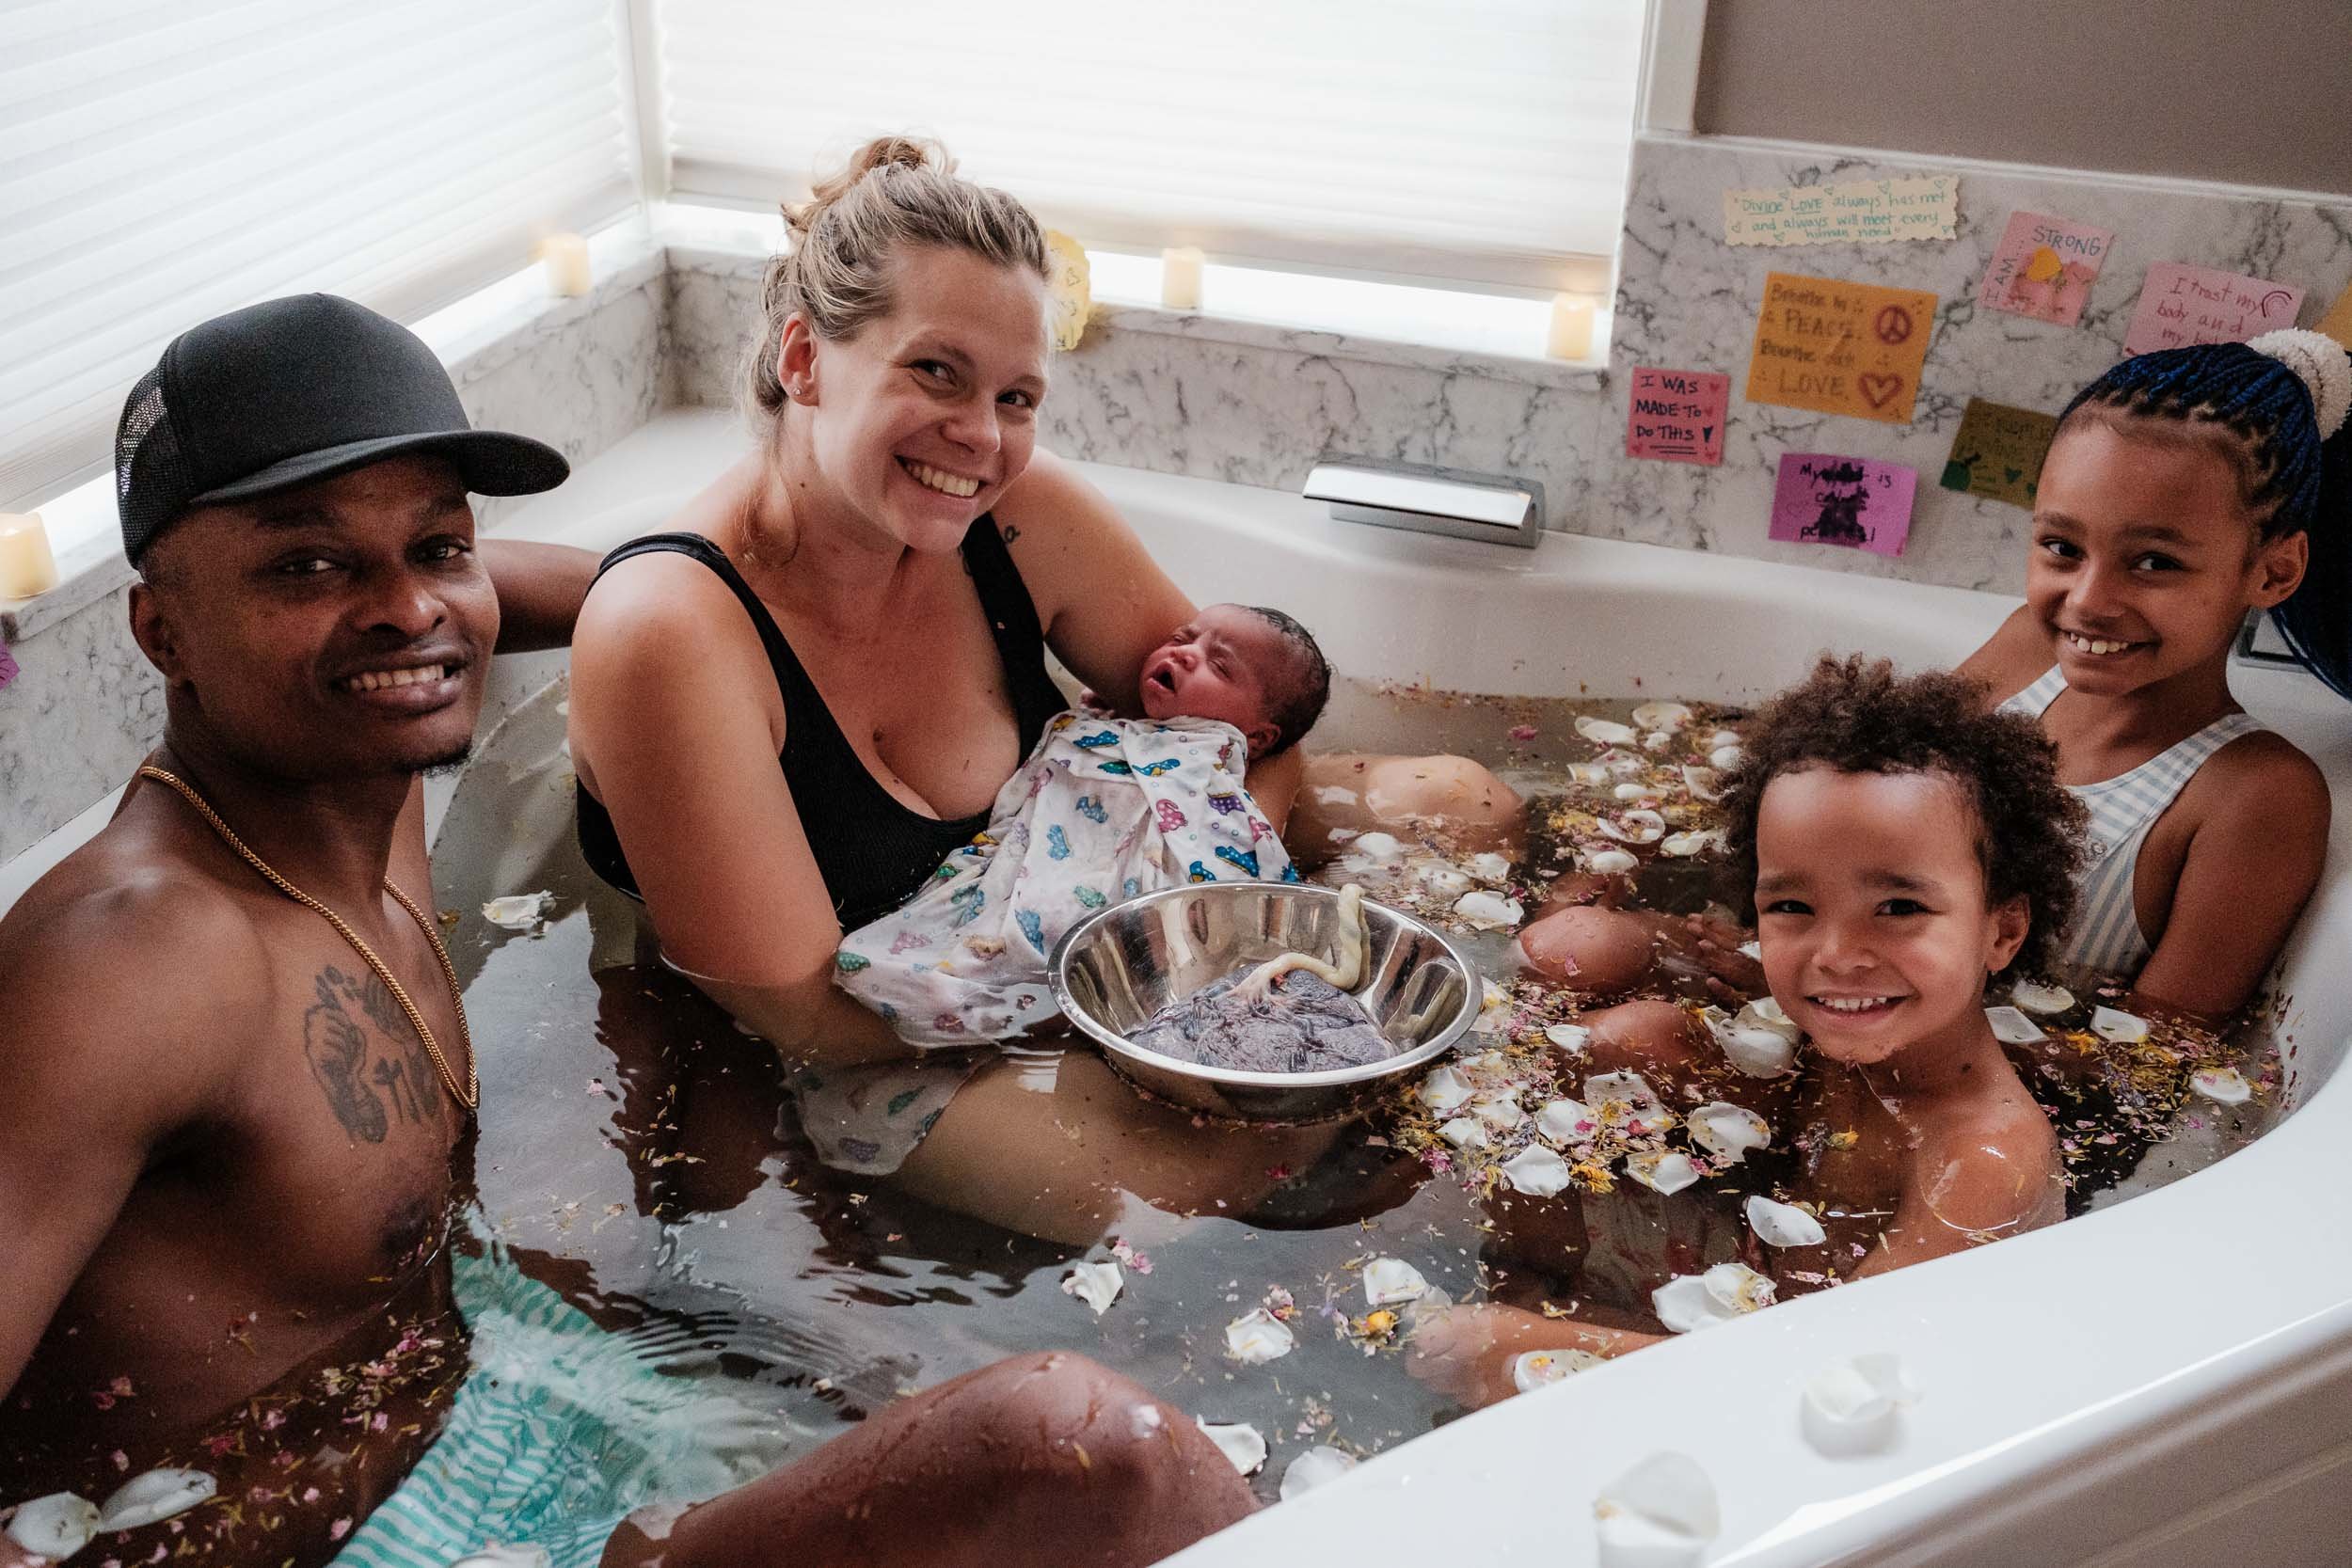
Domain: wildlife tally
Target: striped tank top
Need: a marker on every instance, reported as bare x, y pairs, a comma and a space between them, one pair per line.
2105, 935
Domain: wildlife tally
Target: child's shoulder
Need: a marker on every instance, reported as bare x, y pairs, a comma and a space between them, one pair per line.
1990, 1162
2263, 782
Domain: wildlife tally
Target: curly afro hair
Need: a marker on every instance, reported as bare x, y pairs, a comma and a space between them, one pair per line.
1857, 715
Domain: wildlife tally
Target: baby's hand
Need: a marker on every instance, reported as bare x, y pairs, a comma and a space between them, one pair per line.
1732, 976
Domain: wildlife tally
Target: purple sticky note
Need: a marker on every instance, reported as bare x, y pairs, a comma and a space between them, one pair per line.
8, 667
1823, 499
1677, 416
2179, 306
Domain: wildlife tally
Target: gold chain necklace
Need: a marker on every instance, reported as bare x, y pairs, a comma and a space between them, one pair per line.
470, 1095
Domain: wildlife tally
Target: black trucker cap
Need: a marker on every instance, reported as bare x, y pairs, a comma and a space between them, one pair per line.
292, 390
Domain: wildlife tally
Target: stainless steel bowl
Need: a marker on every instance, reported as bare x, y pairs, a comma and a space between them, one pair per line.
1113, 970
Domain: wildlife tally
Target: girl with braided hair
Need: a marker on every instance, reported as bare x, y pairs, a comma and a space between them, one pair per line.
2186, 489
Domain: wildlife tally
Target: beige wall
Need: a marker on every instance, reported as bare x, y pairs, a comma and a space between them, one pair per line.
2253, 91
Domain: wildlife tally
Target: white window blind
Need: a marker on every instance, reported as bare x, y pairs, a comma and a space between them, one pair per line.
1472, 141
161, 162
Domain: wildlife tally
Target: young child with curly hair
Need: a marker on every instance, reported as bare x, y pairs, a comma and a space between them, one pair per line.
1905, 846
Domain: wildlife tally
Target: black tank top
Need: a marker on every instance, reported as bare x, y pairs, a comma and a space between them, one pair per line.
872, 849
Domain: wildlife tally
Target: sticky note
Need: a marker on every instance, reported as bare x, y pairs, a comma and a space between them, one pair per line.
1677, 416
2337, 322
1863, 504
2180, 304
1997, 452
8, 667
2044, 267
1839, 348
1864, 212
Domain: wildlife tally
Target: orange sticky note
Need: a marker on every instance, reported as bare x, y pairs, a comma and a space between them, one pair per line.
2337, 322
1839, 348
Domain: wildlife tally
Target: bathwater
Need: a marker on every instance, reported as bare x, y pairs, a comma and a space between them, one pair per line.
642, 1153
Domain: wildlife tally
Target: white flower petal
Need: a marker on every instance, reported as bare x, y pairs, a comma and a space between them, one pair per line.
2123, 1028
1465, 1133
1588, 772
2224, 1085
1685, 1305
2036, 997
517, 911
1240, 1442
1629, 1090
1604, 732
1724, 758
1379, 847
1666, 1171
1096, 1284
1444, 1089
1390, 1280
153, 1496
1724, 737
1661, 1514
1489, 911
1634, 827
1738, 1288
1535, 1171
1626, 767
1657, 740
1488, 867
1756, 1051
1854, 1406
1259, 1336
1703, 783
1313, 1469
1681, 846
1661, 716
1494, 1010
2012, 1027
1569, 1036
1558, 1121
1767, 1012
1727, 1132
1629, 791
55, 1527
1609, 863
1501, 1112
1783, 1223
1539, 1369
1752, 950
1442, 880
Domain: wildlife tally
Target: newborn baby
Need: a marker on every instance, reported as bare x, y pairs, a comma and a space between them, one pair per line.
1103, 810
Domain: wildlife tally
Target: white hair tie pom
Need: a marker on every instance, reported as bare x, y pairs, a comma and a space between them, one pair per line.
2321, 364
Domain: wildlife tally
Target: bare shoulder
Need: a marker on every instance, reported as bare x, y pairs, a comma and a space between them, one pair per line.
659, 629
1991, 1166
2265, 768
1059, 528
2012, 658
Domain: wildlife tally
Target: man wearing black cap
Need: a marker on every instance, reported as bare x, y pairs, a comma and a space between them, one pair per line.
234, 1070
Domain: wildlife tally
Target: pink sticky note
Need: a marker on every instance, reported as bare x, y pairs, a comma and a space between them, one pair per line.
8, 667
2182, 305
1677, 416
2044, 267
1823, 499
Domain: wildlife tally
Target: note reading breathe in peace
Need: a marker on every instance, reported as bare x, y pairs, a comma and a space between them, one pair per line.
1840, 348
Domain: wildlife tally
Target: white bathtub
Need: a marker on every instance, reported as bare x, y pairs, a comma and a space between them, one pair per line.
2167, 1381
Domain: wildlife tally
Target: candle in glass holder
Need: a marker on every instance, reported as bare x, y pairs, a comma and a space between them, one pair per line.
1572, 336
26, 567
1180, 277
565, 257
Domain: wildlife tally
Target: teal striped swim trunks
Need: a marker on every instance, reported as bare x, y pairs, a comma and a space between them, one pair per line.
560, 1432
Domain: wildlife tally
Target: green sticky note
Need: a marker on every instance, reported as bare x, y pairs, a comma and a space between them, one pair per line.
1997, 452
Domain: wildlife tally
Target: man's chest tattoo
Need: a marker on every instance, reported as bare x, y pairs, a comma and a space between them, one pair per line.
370, 1082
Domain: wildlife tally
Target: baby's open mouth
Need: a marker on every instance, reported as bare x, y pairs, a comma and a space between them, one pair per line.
1165, 679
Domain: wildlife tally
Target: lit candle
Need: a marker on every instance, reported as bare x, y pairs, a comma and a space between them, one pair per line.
1180, 277
566, 257
26, 567
1571, 327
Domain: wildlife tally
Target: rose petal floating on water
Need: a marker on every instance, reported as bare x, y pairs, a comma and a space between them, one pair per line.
1465, 1133
1609, 863
1661, 716
1096, 1284
1704, 783
1588, 772
1488, 867
1724, 758
1756, 1051
1657, 740
1630, 791
151, 1497
1259, 1336
1604, 732
2110, 1023
1380, 846
1680, 845
1626, 768
1684, 1304
2036, 997
1535, 1171
1739, 1286
517, 911
2013, 1027
1494, 1010
1443, 881
2224, 1085
1663, 1171
1727, 1132
1752, 950
1443, 1089
1390, 1280
1724, 737
1540, 1369
1854, 1406
55, 1527
1489, 911
1313, 1469
1566, 1121
1629, 1090
1634, 827
1569, 1036
1783, 1223
1768, 1011
1498, 1111
1239, 1442
1660, 1514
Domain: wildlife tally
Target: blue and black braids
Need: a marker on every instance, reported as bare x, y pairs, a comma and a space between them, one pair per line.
2297, 483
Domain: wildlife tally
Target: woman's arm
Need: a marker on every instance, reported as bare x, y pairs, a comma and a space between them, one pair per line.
676, 724
540, 589
1103, 600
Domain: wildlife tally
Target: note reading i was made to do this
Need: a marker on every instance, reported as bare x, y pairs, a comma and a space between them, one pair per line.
1677, 416
1839, 348
1997, 452
2181, 305
1863, 504
2043, 268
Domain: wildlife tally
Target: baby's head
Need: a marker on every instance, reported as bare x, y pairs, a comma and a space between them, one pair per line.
1904, 846
2185, 488
1257, 670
